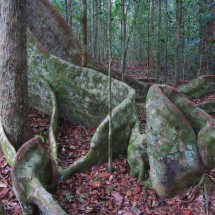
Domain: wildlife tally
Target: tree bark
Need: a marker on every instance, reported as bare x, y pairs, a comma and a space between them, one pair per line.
13, 66
69, 12
207, 31
110, 151
95, 28
166, 42
123, 26
84, 33
152, 34
159, 43
148, 35
178, 34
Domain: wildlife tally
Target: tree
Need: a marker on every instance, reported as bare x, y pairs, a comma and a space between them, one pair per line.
69, 12
207, 23
159, 43
178, 35
166, 40
110, 147
95, 28
13, 66
84, 33
123, 32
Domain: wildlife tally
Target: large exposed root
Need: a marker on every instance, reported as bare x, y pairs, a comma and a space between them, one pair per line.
7, 148
198, 87
207, 106
180, 140
53, 123
33, 175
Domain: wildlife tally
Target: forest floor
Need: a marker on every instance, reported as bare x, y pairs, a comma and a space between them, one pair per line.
96, 191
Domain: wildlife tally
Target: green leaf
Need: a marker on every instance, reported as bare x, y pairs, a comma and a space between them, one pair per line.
83, 196
41, 137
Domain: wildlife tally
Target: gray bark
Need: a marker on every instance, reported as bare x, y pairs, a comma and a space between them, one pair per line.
13, 66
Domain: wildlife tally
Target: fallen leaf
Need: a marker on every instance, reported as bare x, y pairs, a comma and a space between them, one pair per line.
3, 185
185, 212
124, 182
149, 201
128, 193
17, 213
74, 207
4, 192
117, 198
105, 175
128, 213
83, 196
94, 183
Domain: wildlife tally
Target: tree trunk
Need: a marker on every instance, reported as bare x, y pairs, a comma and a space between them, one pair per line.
123, 27
207, 30
148, 35
110, 151
13, 61
166, 42
154, 59
84, 33
95, 28
69, 12
159, 43
184, 15
178, 34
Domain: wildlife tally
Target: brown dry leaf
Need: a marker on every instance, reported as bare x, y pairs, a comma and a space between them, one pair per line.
186, 211
74, 207
4, 192
136, 190
128, 213
3, 164
105, 175
149, 201
85, 175
117, 198
94, 183
16, 213
124, 182
3, 185
128, 193
109, 204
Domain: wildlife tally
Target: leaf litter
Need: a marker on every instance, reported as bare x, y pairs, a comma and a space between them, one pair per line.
98, 192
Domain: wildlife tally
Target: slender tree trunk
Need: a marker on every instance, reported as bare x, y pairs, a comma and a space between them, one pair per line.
123, 59
84, 32
207, 32
13, 67
69, 12
148, 35
158, 70
209, 38
95, 28
166, 43
154, 59
100, 30
183, 43
133, 24
109, 89
178, 34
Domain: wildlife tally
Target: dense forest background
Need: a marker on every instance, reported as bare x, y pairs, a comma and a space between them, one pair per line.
172, 38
